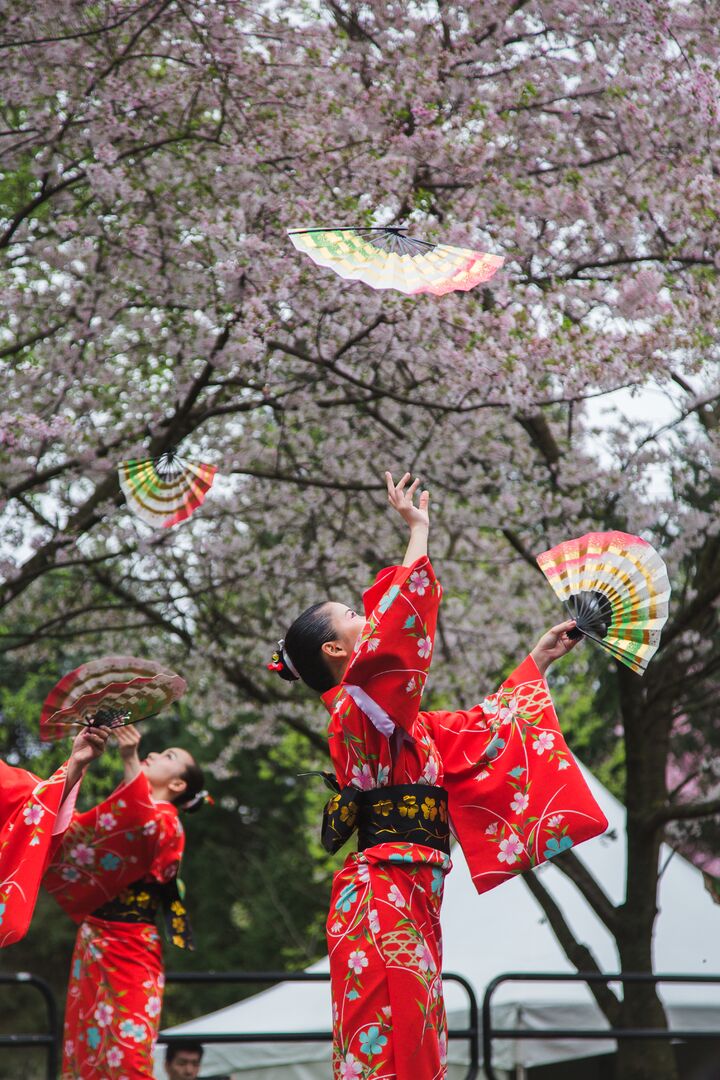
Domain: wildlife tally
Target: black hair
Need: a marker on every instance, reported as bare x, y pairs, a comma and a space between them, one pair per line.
303, 649
184, 1047
189, 800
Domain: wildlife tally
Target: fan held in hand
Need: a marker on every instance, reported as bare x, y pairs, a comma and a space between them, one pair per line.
388, 259
114, 690
166, 490
616, 587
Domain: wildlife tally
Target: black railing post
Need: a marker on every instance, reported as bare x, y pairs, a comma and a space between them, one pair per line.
490, 1032
49, 1038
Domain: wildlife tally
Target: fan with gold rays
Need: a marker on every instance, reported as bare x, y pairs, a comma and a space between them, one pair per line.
166, 490
385, 258
616, 587
111, 691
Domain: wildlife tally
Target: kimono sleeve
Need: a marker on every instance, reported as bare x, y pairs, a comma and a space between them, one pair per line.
170, 844
517, 797
29, 809
386, 677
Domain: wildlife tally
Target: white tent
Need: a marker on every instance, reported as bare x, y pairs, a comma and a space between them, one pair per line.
504, 931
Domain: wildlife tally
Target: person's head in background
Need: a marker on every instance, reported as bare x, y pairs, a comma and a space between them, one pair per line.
182, 1060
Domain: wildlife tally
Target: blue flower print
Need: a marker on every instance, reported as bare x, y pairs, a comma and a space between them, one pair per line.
353, 995
109, 861
76, 969
398, 857
494, 748
346, 899
409, 622
93, 1037
556, 847
2, 913
388, 598
437, 880
371, 1041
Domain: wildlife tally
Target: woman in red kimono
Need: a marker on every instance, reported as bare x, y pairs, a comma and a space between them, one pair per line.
501, 772
34, 813
115, 872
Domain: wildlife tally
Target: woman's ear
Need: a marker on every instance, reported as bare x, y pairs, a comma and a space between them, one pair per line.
334, 650
177, 785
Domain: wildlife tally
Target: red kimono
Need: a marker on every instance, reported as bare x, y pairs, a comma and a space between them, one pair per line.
33, 815
515, 798
106, 876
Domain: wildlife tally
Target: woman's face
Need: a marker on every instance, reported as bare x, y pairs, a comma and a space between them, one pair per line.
166, 768
347, 625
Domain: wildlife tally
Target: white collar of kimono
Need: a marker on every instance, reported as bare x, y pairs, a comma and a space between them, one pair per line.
374, 712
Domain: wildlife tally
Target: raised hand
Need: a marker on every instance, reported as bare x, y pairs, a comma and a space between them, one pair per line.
555, 643
128, 740
403, 501
88, 745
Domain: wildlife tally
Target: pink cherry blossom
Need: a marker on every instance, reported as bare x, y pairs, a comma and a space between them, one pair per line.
545, 740
425, 958
82, 854
419, 582
33, 814
510, 849
104, 1014
107, 821
424, 647
519, 802
350, 1068
358, 960
395, 896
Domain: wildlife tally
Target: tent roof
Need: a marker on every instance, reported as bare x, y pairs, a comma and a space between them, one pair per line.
505, 930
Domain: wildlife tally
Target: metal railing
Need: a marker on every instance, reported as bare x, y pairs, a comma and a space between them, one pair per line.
471, 1033
47, 1038
490, 1032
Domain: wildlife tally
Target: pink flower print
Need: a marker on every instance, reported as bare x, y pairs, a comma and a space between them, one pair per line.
482, 775
69, 1047
374, 921
107, 821
33, 814
153, 1006
442, 1046
387, 1011
150, 828
396, 897
564, 764
544, 741
424, 647
114, 1057
363, 873
431, 771
410, 686
336, 927
373, 644
350, 1068
104, 1014
419, 582
492, 829
82, 854
554, 821
362, 777
510, 849
358, 960
425, 958
519, 803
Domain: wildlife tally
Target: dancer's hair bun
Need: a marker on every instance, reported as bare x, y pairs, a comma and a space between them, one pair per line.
283, 665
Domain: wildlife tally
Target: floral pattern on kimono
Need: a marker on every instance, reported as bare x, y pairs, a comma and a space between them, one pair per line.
126, 837
115, 994
377, 736
33, 813
114, 1001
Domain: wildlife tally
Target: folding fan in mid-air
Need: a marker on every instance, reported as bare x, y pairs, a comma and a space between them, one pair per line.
616, 587
112, 691
166, 490
385, 258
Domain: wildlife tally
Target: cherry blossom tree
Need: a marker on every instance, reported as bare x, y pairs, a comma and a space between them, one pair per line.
152, 155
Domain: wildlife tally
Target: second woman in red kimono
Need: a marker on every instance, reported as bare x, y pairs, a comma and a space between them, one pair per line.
114, 874
501, 772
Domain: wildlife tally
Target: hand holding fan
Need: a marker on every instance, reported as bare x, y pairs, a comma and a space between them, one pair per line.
616, 587
388, 259
166, 490
112, 691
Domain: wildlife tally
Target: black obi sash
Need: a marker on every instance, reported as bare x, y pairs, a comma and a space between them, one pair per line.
411, 813
143, 900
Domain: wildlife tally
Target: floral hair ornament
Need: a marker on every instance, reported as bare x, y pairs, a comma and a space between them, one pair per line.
280, 660
202, 797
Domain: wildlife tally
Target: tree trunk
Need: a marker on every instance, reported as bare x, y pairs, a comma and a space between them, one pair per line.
646, 742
